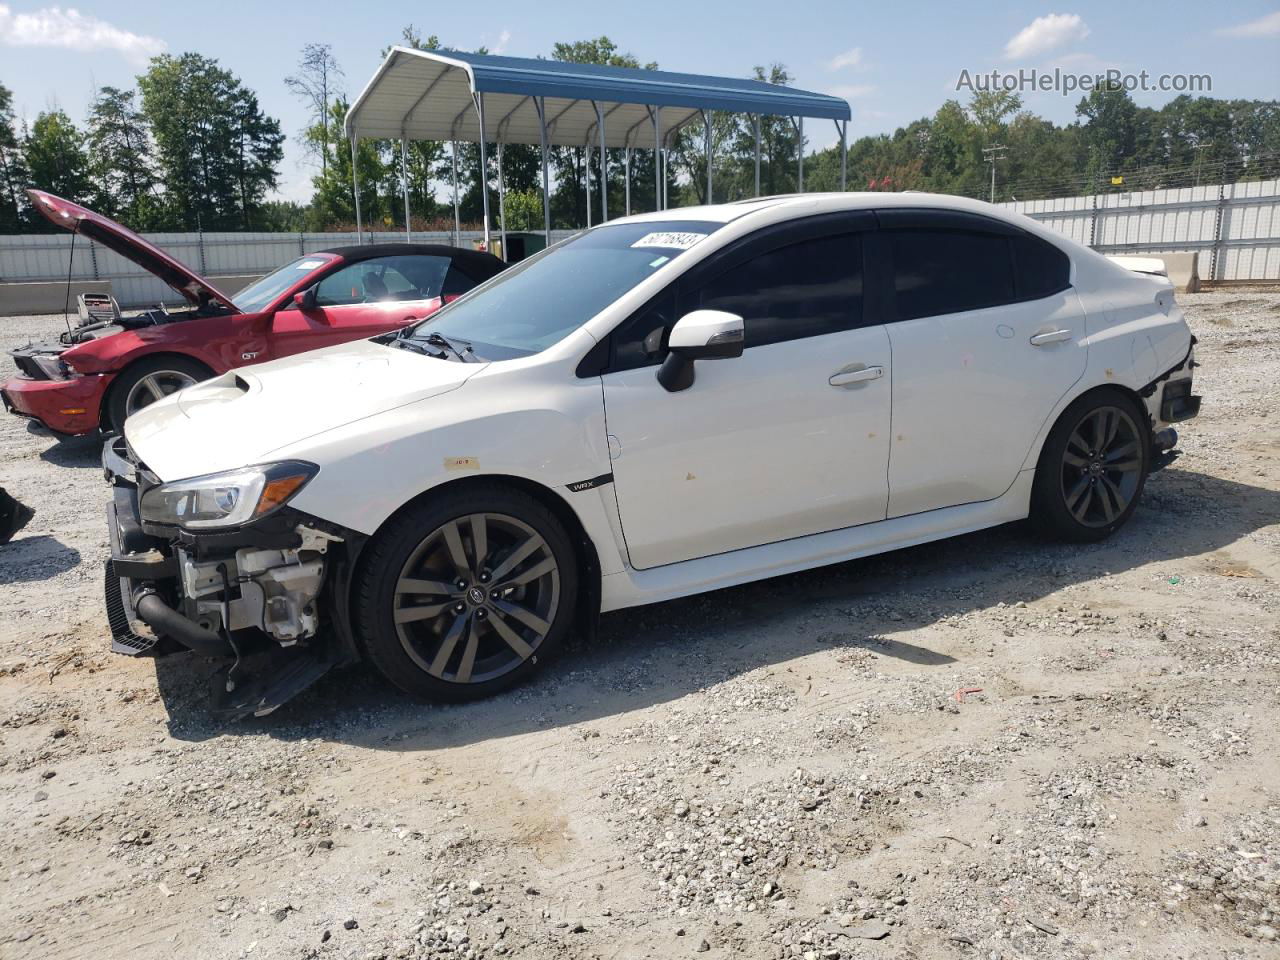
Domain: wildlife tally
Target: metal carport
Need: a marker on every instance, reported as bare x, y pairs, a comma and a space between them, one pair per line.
475, 98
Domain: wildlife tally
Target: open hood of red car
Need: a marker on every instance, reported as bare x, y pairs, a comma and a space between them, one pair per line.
73, 217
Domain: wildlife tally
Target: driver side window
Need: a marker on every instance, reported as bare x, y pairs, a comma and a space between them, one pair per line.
343, 287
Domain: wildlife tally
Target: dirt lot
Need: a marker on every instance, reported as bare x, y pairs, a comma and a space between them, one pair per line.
787, 769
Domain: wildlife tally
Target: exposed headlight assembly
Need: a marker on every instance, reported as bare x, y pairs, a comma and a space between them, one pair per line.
54, 367
227, 499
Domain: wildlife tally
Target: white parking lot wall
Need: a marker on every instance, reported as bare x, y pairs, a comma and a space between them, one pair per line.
1234, 227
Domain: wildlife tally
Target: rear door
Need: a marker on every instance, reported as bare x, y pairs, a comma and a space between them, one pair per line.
987, 336
787, 440
361, 300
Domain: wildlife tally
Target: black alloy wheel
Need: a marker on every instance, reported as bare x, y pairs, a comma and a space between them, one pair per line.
1092, 468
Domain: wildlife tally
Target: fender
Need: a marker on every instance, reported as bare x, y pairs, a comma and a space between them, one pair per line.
217, 342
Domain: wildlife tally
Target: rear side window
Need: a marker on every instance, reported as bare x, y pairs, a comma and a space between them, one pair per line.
949, 271
456, 283
805, 289
1039, 268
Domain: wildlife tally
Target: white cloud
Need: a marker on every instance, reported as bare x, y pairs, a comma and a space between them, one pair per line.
852, 91
500, 47
850, 58
1046, 33
1268, 26
73, 30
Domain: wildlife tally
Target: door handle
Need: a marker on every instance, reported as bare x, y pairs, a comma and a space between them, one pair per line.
1053, 336
851, 378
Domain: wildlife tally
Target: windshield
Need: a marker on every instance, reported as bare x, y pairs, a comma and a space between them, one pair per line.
539, 301
258, 296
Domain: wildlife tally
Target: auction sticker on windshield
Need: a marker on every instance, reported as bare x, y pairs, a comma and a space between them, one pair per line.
669, 240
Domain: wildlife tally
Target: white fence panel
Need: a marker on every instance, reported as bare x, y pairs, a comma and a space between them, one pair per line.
1234, 227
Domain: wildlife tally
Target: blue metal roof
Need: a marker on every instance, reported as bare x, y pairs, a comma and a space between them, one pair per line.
426, 94
589, 81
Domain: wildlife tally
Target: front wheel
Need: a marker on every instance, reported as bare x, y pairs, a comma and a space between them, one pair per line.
143, 383
1092, 469
467, 595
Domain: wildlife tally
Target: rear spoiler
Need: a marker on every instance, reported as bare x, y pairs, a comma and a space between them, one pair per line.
1152, 266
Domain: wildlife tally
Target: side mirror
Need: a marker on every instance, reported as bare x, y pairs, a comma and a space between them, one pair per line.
700, 335
306, 300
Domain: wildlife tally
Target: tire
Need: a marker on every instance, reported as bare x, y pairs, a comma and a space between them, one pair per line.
167, 374
1092, 469
411, 602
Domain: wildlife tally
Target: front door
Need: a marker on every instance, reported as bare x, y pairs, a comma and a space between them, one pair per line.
787, 440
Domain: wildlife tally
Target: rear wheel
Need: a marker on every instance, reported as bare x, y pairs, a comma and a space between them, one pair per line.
465, 596
1092, 468
143, 383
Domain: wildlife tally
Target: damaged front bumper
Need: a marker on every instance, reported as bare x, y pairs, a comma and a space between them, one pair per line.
263, 598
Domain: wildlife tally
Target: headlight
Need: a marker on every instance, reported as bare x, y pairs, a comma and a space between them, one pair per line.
54, 367
226, 499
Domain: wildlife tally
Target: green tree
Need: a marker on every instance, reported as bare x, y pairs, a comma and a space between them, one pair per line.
317, 82
121, 165
524, 210
1110, 128
283, 216
217, 151
333, 204
56, 157
13, 168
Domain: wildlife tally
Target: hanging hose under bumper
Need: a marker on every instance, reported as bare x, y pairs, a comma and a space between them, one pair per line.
163, 619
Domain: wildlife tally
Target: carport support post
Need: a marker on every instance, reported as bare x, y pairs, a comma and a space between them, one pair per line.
844, 151
457, 218
586, 179
706, 126
502, 206
626, 177
404, 173
604, 168
657, 158
800, 154
484, 169
755, 122
355, 187
540, 104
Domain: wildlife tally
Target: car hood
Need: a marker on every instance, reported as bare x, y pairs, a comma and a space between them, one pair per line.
122, 240
242, 416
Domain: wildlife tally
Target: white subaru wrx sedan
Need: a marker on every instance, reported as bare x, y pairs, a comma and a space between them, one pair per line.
663, 405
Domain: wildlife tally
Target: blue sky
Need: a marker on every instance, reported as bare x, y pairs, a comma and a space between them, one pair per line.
893, 61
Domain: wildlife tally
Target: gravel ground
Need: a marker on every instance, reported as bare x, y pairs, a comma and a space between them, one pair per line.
987, 748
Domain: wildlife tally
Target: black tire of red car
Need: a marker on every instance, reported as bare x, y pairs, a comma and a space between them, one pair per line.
1093, 468
499, 592
170, 366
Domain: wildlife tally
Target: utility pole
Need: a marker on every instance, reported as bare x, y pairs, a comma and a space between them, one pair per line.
991, 155
1199, 148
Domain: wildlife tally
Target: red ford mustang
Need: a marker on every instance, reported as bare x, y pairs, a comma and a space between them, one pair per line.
100, 374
